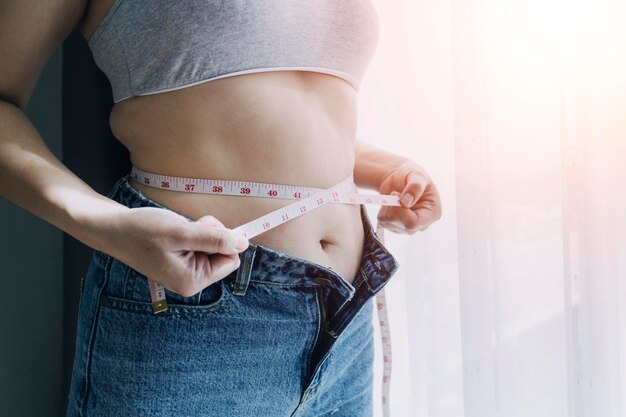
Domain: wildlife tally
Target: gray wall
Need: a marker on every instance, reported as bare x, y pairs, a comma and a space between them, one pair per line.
40, 265
90, 151
31, 281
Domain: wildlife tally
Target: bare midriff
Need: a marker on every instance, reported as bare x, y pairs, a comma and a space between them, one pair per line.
286, 127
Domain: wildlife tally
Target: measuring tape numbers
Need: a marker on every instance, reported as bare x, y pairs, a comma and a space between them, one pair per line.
309, 198
385, 333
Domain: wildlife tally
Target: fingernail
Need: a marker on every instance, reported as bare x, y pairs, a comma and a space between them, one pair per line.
408, 199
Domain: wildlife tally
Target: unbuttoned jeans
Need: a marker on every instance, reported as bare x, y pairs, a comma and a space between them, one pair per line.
279, 336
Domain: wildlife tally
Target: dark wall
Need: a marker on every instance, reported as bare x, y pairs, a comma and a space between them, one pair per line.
41, 266
31, 281
93, 154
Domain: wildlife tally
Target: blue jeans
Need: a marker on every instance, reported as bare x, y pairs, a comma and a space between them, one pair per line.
279, 336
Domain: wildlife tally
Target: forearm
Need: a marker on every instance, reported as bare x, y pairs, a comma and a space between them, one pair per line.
372, 164
34, 179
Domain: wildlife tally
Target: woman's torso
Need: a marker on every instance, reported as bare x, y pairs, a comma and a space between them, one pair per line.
290, 127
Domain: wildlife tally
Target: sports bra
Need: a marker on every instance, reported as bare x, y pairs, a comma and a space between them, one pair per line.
152, 46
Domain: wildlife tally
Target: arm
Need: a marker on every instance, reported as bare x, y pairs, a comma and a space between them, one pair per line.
158, 243
393, 174
372, 165
31, 176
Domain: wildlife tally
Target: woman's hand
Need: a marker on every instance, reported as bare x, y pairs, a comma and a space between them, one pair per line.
422, 205
183, 256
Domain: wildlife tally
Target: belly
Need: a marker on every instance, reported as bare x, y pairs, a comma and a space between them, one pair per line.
287, 127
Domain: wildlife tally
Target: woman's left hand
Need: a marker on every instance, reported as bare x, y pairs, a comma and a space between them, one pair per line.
409, 180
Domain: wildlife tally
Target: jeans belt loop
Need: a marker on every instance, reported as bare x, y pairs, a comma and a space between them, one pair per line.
240, 285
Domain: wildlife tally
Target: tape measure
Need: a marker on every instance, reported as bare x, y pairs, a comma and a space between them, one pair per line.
385, 334
309, 198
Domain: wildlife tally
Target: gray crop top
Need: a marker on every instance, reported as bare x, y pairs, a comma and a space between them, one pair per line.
152, 46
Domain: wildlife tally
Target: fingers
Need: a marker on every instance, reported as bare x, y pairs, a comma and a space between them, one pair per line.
398, 219
208, 234
222, 265
402, 220
415, 186
209, 220
207, 269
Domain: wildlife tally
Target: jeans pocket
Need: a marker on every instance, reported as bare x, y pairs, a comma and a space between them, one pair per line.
128, 289
177, 363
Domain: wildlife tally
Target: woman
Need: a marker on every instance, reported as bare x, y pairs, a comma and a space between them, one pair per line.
259, 91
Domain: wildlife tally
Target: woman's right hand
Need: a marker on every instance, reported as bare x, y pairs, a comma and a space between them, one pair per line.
183, 256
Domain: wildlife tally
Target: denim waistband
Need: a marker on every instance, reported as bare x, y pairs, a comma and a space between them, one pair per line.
263, 264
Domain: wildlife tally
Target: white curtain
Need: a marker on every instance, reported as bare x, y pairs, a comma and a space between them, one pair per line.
514, 303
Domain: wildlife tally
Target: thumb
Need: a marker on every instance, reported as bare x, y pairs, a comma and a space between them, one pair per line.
208, 236
210, 221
